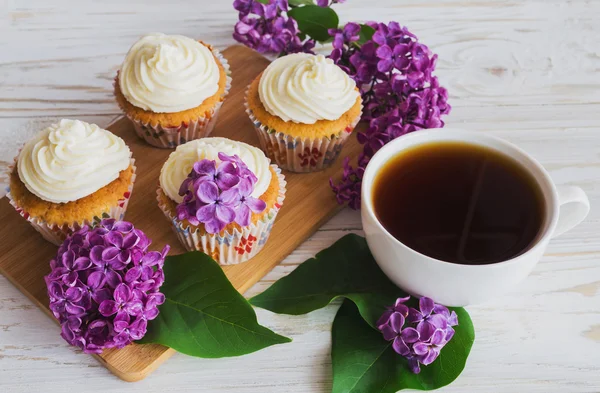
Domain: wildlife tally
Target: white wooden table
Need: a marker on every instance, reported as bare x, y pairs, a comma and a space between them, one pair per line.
527, 71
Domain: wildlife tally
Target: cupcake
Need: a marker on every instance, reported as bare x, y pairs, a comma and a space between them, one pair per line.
221, 197
70, 175
171, 87
303, 108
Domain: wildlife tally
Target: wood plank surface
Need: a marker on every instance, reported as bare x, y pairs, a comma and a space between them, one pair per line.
523, 70
309, 203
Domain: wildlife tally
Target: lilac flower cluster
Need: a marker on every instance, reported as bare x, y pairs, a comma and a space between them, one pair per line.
418, 335
217, 195
400, 94
266, 28
104, 286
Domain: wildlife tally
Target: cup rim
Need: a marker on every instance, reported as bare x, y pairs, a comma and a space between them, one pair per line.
473, 137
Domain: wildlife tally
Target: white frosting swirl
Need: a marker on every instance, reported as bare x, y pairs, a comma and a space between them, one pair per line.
180, 163
70, 160
305, 88
168, 73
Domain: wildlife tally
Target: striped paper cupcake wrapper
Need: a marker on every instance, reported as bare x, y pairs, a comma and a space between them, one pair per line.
298, 154
230, 247
56, 234
171, 137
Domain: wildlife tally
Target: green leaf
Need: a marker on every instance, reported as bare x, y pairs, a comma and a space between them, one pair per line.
365, 34
263, 1
314, 21
203, 314
364, 362
298, 3
346, 269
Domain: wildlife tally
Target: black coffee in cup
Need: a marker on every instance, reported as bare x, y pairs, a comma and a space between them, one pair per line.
459, 202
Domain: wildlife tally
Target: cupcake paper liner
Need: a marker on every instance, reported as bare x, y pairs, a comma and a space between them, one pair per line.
298, 154
170, 137
232, 247
57, 234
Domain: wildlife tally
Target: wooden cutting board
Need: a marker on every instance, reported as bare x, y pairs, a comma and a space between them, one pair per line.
24, 254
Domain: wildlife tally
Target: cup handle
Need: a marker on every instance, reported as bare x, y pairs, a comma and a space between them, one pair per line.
574, 206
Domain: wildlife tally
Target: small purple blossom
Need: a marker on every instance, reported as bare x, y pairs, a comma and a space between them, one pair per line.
266, 28
101, 276
219, 202
418, 334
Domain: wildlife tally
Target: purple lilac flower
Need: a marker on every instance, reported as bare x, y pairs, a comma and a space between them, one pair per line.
219, 202
267, 28
101, 276
246, 204
394, 73
418, 334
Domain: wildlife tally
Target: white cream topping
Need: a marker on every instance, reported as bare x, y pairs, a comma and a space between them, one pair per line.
168, 73
70, 160
305, 88
180, 163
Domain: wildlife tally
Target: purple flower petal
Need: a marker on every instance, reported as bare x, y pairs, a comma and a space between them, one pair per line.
229, 197
112, 278
425, 330
413, 365
438, 337
82, 263
449, 334
134, 307
152, 258
96, 255
206, 213
453, 319
122, 293
438, 320
133, 274
70, 279
224, 214
74, 309
208, 192
384, 319
429, 357
385, 65
397, 322
243, 215
400, 347
255, 204
414, 316
115, 238
108, 308
426, 305
384, 52
420, 348
101, 295
388, 333
130, 240
110, 253
74, 294
55, 291
205, 167
214, 226
410, 335
122, 226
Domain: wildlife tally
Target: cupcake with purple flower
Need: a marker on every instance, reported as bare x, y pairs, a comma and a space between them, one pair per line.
104, 285
222, 197
303, 107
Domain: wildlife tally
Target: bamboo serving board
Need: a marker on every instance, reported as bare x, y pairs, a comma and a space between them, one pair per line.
309, 202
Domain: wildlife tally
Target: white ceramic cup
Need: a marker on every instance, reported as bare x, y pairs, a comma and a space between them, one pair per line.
454, 284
